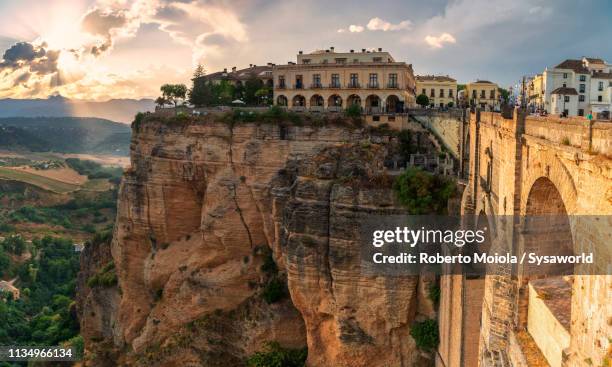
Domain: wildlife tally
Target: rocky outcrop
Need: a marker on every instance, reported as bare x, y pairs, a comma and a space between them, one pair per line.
202, 209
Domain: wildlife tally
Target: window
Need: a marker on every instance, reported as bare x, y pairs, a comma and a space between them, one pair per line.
316, 80
583, 78
492, 94
281, 81
600, 86
450, 93
324, 61
305, 61
432, 93
377, 59
564, 75
582, 88
581, 98
340, 61
393, 81
376, 118
580, 112
564, 85
483, 94
599, 99
354, 83
610, 84
441, 93
566, 98
298, 82
335, 80
441, 104
373, 83
473, 94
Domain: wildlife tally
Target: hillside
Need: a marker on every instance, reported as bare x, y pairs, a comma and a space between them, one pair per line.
121, 110
64, 135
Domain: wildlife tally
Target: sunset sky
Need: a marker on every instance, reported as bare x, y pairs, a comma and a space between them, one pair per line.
102, 49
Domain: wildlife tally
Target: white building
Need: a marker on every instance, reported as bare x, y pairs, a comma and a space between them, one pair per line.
577, 88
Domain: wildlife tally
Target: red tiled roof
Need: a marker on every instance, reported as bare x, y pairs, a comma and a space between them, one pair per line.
575, 65
565, 91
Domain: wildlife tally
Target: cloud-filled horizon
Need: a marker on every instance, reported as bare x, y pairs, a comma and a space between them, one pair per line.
105, 49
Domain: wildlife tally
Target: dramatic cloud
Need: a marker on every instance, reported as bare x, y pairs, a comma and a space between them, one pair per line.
97, 22
377, 24
21, 53
439, 41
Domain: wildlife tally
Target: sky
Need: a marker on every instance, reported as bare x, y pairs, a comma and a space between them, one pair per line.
105, 49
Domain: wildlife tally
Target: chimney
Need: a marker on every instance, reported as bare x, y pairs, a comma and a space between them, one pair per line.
250, 65
254, 65
327, 51
380, 49
352, 51
301, 52
225, 70
233, 69
363, 50
332, 49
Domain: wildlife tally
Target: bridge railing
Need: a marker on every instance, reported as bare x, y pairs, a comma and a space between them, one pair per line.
594, 137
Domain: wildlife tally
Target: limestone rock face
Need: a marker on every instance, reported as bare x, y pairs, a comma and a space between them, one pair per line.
202, 208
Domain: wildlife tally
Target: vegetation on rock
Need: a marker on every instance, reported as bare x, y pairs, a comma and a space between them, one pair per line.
276, 356
425, 334
422, 192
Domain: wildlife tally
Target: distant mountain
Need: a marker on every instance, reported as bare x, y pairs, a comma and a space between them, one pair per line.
65, 135
121, 110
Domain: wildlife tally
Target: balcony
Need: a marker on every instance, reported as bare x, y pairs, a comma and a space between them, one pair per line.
373, 86
281, 86
393, 86
334, 85
353, 85
316, 86
299, 86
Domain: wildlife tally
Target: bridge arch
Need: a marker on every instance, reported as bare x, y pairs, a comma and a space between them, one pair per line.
546, 231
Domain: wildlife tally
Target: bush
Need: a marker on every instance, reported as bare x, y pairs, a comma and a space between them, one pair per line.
274, 291
104, 278
353, 111
425, 334
276, 356
422, 192
434, 294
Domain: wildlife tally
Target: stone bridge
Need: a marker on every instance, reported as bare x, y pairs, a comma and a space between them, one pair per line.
515, 168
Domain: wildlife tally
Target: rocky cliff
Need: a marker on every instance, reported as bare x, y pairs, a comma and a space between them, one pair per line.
203, 211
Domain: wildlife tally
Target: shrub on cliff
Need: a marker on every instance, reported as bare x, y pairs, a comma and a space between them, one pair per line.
274, 291
276, 356
422, 192
425, 334
105, 277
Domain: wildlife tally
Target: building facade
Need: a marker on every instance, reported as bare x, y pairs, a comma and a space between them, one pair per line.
483, 94
441, 90
326, 80
588, 79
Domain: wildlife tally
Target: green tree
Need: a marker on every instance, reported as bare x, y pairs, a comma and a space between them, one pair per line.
160, 102
422, 100
223, 92
263, 96
505, 95
173, 93
251, 87
422, 192
14, 244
